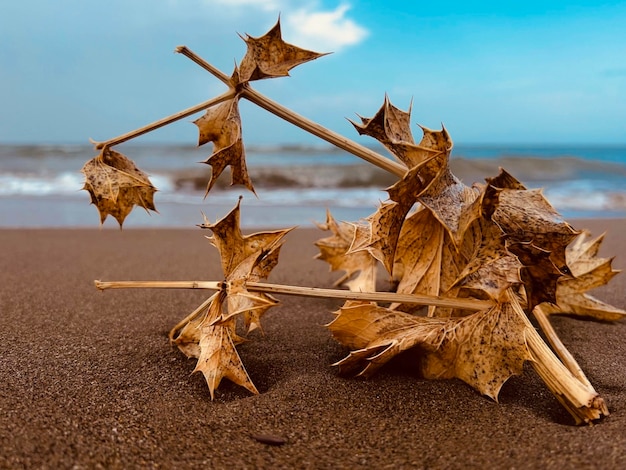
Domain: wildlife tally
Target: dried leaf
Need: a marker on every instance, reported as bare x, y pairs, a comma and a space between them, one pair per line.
538, 236
419, 254
491, 268
221, 125
211, 334
483, 349
335, 250
428, 182
269, 56
390, 125
381, 235
218, 357
526, 216
425, 252
234, 247
242, 302
245, 258
454, 204
588, 272
116, 185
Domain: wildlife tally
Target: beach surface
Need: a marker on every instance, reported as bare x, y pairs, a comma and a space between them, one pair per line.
89, 379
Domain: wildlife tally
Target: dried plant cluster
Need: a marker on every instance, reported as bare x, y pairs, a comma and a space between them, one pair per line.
471, 265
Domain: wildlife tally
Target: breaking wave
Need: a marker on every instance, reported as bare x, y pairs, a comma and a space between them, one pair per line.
578, 181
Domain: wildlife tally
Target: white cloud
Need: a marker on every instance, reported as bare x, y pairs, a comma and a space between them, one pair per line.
305, 23
323, 31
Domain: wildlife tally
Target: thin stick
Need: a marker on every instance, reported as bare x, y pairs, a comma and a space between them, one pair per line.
211, 285
446, 302
300, 121
578, 397
231, 93
558, 346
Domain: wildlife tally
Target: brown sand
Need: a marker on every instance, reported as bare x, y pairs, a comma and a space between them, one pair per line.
90, 381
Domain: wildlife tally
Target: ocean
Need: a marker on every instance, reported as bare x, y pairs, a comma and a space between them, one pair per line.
40, 185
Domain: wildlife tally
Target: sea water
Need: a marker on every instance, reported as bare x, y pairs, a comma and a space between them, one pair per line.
40, 185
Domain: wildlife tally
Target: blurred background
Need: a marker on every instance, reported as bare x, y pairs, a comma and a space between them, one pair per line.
536, 88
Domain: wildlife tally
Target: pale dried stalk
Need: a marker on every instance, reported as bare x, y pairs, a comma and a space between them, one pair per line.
558, 346
230, 94
300, 121
577, 397
446, 302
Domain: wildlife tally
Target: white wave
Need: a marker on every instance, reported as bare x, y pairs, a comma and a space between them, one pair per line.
572, 195
282, 197
40, 185
568, 198
62, 184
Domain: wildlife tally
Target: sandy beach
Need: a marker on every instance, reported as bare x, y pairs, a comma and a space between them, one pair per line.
89, 379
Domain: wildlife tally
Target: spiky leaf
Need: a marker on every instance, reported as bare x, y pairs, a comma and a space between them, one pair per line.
269, 56
116, 185
221, 125
483, 349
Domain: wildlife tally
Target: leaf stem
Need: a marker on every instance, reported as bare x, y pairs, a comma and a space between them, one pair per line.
446, 302
568, 360
300, 121
231, 93
577, 396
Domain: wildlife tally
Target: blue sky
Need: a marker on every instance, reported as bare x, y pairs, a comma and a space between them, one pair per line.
492, 72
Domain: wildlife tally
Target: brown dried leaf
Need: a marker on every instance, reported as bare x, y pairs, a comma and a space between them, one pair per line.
504, 180
418, 260
245, 258
221, 125
429, 262
334, 250
218, 357
269, 56
588, 272
483, 349
212, 336
380, 237
491, 268
234, 247
538, 236
116, 185
454, 204
526, 216
428, 182
390, 125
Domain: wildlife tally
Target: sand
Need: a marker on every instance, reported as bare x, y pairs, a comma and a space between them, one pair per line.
89, 379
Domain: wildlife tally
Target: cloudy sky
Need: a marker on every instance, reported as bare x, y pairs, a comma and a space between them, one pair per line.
492, 72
